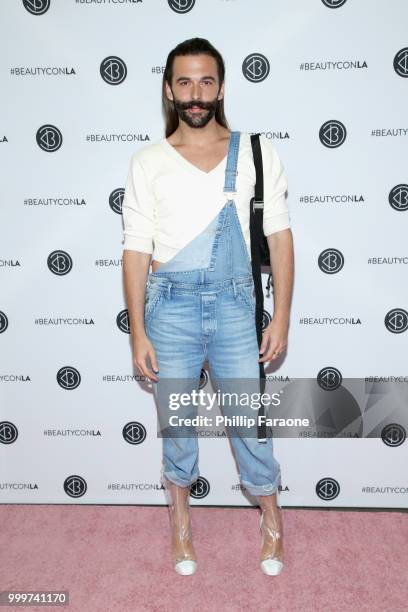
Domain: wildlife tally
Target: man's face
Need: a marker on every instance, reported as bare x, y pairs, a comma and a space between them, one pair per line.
195, 89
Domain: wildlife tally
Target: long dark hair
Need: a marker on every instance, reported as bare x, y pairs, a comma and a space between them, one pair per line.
192, 46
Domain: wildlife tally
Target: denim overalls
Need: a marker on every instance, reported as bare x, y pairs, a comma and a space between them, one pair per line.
200, 306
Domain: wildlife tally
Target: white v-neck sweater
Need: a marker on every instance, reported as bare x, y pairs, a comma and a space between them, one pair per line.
168, 201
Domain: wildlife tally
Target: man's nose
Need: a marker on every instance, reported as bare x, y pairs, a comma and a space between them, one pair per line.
196, 93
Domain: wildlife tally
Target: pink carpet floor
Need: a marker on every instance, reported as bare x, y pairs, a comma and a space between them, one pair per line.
117, 559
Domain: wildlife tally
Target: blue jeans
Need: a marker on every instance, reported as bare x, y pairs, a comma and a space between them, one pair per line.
200, 306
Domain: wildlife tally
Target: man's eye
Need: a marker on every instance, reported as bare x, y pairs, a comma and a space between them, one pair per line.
183, 82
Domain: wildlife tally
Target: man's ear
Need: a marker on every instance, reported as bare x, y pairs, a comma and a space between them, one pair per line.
168, 91
221, 92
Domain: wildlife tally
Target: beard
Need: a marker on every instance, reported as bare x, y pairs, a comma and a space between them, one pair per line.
195, 120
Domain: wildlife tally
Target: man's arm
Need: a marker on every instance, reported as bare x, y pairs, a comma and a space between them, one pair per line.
135, 270
282, 267
137, 212
274, 340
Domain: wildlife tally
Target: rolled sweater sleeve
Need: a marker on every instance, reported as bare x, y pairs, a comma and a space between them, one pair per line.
276, 212
137, 210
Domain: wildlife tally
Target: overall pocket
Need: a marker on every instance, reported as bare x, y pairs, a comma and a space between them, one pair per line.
245, 295
154, 296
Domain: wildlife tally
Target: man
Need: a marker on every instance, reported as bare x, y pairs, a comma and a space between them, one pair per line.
199, 301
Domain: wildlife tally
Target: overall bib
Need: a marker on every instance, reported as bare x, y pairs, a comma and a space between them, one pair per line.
200, 306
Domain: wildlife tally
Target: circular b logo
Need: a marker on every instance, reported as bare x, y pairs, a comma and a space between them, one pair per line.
330, 261
113, 70
200, 488
329, 378
334, 3
116, 199
266, 319
181, 6
75, 486
401, 62
332, 134
49, 138
393, 434
327, 489
396, 320
59, 262
203, 378
36, 7
122, 321
255, 67
398, 197
3, 322
134, 432
8, 432
68, 378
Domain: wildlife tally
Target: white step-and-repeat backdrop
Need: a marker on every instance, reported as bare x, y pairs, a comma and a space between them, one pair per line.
327, 82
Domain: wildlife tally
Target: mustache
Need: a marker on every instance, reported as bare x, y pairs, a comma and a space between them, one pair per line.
198, 104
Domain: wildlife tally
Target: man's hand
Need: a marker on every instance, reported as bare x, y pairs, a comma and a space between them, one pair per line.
274, 340
142, 351
275, 336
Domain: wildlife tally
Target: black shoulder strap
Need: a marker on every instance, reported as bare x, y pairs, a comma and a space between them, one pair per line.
256, 233
259, 185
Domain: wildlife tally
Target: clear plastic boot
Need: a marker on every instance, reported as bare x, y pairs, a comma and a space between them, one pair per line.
182, 548
271, 527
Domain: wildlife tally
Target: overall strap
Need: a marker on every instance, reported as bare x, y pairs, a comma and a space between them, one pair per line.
232, 160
